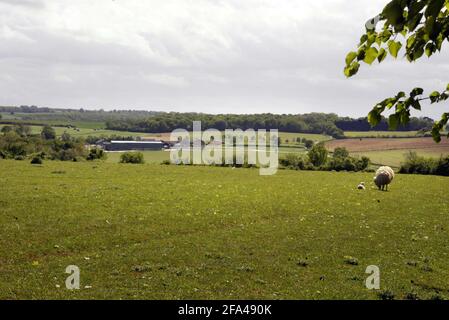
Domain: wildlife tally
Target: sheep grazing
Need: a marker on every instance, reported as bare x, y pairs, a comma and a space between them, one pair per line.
384, 176
361, 186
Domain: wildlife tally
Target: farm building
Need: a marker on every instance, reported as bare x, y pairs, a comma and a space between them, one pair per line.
133, 145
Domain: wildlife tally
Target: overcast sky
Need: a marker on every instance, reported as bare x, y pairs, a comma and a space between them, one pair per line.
234, 56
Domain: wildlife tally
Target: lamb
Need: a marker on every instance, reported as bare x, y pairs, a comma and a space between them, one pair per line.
384, 176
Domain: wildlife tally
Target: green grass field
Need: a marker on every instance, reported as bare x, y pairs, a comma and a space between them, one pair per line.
394, 158
153, 231
84, 132
291, 137
156, 157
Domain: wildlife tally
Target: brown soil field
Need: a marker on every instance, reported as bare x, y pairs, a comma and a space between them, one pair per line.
383, 144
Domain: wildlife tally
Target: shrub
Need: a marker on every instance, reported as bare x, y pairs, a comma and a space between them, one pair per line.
20, 157
414, 164
132, 157
294, 161
36, 160
166, 162
363, 163
96, 154
308, 143
341, 153
318, 155
442, 168
48, 133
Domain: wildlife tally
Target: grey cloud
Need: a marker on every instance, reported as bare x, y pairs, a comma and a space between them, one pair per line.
220, 56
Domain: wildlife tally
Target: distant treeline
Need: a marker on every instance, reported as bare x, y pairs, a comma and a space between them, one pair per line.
320, 123
158, 122
361, 124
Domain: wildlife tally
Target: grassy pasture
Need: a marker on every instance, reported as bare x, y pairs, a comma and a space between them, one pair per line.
84, 132
152, 231
156, 157
394, 158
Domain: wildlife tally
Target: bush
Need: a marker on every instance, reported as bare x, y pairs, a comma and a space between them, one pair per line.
36, 160
295, 161
48, 133
132, 157
442, 168
418, 165
318, 155
166, 162
96, 154
20, 158
308, 143
341, 153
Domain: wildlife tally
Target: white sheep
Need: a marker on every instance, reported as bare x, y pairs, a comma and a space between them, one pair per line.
384, 176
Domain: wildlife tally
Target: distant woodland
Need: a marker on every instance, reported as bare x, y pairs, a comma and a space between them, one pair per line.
154, 122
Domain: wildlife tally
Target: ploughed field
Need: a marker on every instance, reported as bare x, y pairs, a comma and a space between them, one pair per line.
391, 151
154, 231
384, 144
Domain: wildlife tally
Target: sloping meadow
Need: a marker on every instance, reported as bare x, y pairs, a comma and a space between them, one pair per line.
154, 231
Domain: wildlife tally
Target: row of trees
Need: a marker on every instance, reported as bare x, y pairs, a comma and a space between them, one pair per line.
318, 159
320, 123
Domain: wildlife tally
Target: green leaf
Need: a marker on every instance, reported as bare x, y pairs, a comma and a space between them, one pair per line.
350, 57
430, 49
404, 117
400, 95
352, 69
393, 12
416, 92
417, 53
393, 121
361, 53
371, 55
434, 7
436, 133
434, 96
416, 105
394, 47
374, 117
413, 22
371, 39
382, 55
363, 39
386, 35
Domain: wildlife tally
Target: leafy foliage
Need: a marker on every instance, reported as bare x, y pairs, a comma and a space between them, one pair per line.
132, 157
423, 26
48, 133
96, 154
340, 161
18, 143
318, 155
415, 164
